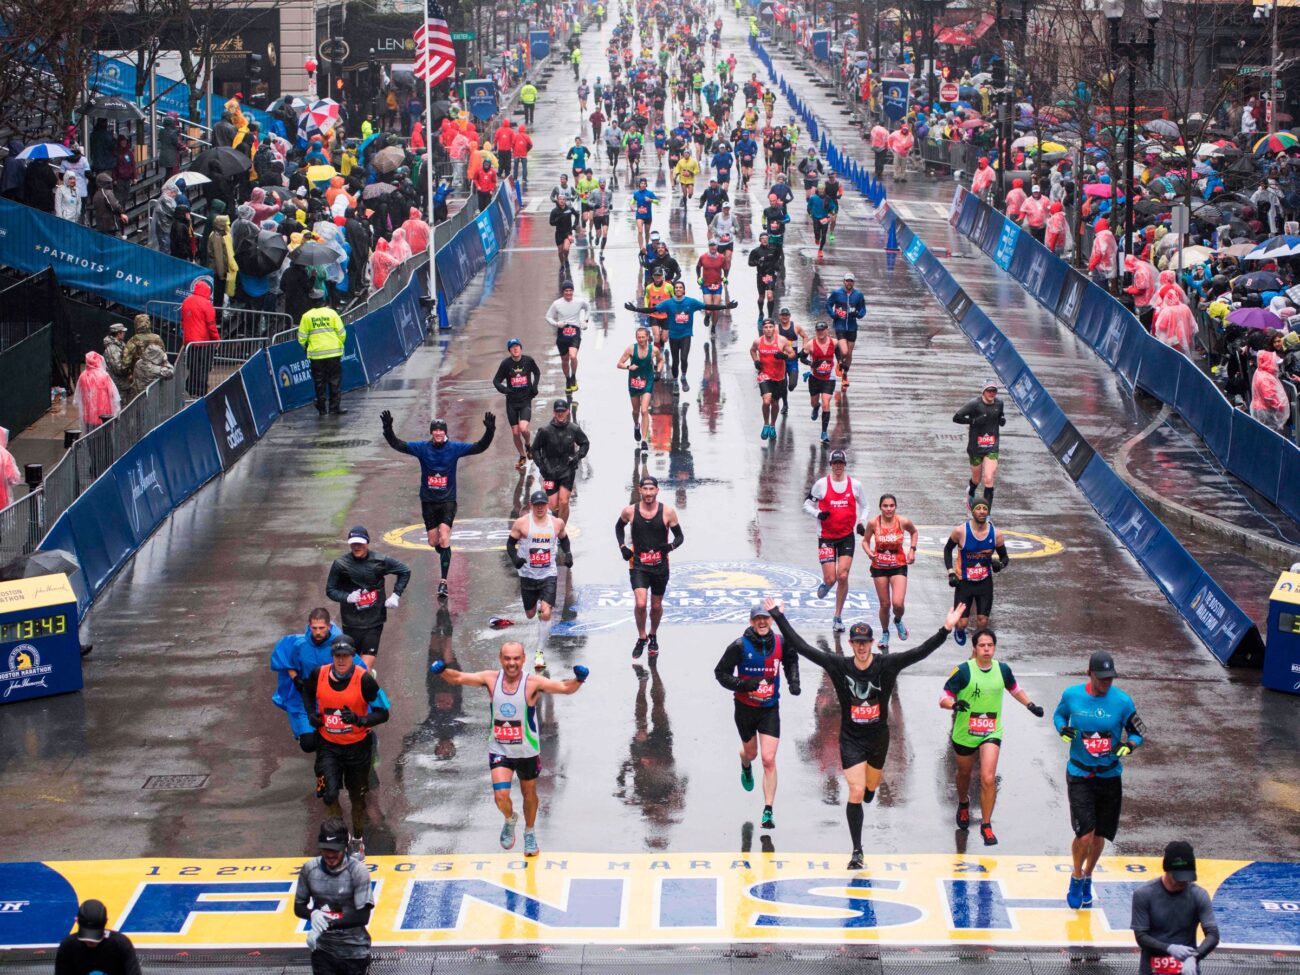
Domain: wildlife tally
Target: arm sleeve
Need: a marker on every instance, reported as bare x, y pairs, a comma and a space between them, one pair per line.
400, 446
725, 671
334, 585
790, 663
1002, 415
1061, 716
482, 443
370, 691
1209, 924
957, 680
400, 569
815, 494
948, 549
798, 644
535, 375
679, 536
301, 895
897, 661
1140, 922
1008, 678
352, 917
1135, 729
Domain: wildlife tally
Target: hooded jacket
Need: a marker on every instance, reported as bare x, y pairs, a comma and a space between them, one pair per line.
106, 208
96, 393
114, 349
1268, 400
11, 177
382, 262
417, 232
150, 365
39, 183
144, 336
9, 475
198, 318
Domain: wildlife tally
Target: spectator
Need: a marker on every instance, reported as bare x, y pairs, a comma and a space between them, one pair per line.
224, 132
297, 287
900, 144
110, 216
399, 246
504, 141
40, 180
184, 244
1268, 400
114, 351
143, 338
417, 136
162, 213
221, 258
485, 184
528, 98
11, 177
169, 145
67, 198
382, 263
123, 168
1173, 322
1034, 212
1103, 263
92, 948
101, 147
322, 335
149, 366
414, 112
96, 395
79, 166
519, 150
198, 324
9, 476
440, 201
358, 237
1015, 198
417, 232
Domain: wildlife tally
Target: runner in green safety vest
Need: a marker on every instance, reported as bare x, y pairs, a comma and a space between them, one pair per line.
974, 694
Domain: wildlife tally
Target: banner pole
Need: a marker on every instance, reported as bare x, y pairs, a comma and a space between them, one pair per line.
428, 168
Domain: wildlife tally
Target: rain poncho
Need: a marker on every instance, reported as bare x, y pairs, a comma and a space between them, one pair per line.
263, 209
1015, 198
1143, 288
417, 232
162, 212
382, 263
1168, 286
337, 272
398, 246
96, 393
1174, 324
1280, 307
299, 653
9, 475
1058, 239
1268, 400
982, 181
1104, 259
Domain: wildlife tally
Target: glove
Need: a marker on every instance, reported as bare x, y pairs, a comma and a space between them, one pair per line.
794, 688
299, 683
758, 366
518, 562
952, 579
626, 552
1035, 709
315, 721
823, 515
490, 420
320, 921
348, 716
1068, 734
312, 938
1124, 750
386, 418
354, 596
1191, 965
581, 673
1181, 952
750, 684
996, 566
566, 559
862, 529
629, 306
392, 601
961, 707
437, 667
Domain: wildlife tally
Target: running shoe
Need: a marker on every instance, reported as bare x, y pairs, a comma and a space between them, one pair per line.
819, 255
785, 407
573, 386
855, 861
653, 645
959, 637
645, 447
508, 832
986, 831
636, 432
686, 387
831, 238
530, 844
766, 822
638, 649
521, 463
357, 848
747, 777
816, 411
822, 589
901, 628
1086, 890
442, 589
837, 625
883, 643
539, 661
1074, 896
963, 815
826, 437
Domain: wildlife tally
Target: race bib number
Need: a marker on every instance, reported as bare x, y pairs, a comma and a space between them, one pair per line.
569, 331
764, 691
767, 279
1097, 745
981, 725
602, 211
986, 440
887, 558
643, 210
822, 368
548, 486
652, 557
864, 713
335, 725
519, 381
1166, 965
774, 226
637, 382
508, 732
724, 238
977, 573
825, 553
368, 598
436, 481
681, 318
747, 159
539, 558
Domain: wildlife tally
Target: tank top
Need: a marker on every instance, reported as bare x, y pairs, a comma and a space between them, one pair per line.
823, 360
976, 554
791, 336
754, 663
843, 507
641, 375
649, 536
539, 549
332, 702
773, 368
514, 723
983, 691
889, 544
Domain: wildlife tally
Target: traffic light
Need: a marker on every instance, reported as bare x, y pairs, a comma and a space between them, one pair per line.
254, 69
998, 71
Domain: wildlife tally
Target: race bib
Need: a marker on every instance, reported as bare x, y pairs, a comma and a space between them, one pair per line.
652, 557
774, 226
825, 553
569, 331
637, 382
508, 732
864, 713
822, 368
977, 573
548, 486
335, 725
436, 481
765, 690
1097, 745
642, 210
368, 598
747, 159
986, 440
681, 318
767, 279
981, 725
887, 558
518, 381
1166, 965
724, 238
539, 558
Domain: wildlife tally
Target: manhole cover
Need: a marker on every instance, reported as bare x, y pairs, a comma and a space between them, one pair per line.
175, 782
330, 444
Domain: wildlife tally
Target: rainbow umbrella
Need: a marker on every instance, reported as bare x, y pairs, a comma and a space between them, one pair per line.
1276, 142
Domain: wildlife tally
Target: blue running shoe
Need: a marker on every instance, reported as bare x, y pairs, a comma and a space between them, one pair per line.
1074, 896
883, 643
530, 843
960, 637
1087, 892
826, 437
822, 589
901, 628
508, 833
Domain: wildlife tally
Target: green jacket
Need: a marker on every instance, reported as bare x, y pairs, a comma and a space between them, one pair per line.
528, 93
321, 333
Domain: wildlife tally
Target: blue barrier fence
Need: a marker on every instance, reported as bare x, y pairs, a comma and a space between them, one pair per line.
1216, 620
1261, 457
105, 526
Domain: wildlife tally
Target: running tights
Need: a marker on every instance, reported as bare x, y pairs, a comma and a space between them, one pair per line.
819, 232
680, 351
444, 558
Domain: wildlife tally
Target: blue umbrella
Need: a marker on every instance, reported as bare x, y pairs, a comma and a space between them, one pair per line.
46, 150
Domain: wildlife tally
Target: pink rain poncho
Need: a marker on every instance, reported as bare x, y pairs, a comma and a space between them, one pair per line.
382, 263
96, 393
9, 475
1174, 324
417, 232
398, 246
1168, 286
1143, 288
1104, 259
1268, 400
982, 181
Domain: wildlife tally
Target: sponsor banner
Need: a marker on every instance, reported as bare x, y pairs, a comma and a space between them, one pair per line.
188, 451
231, 419
142, 483
821, 44
265, 407
644, 898
85, 259
292, 375
539, 44
379, 341
894, 97
481, 98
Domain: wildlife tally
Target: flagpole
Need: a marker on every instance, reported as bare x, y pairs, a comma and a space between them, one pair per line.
428, 168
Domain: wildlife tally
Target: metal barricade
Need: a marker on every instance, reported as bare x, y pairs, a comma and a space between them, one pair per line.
165, 320
1293, 394
237, 322
21, 527
208, 364
94, 453
60, 489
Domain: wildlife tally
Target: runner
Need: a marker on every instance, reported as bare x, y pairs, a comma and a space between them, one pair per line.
985, 417
343, 703
565, 220
978, 540
775, 217
889, 563
723, 230
973, 693
711, 273
438, 458
546, 547
746, 150
516, 379
647, 559
578, 153
558, 449
515, 746
586, 185
656, 293
793, 334
820, 355
1101, 725
602, 201
569, 316
643, 360
751, 668
684, 174
846, 306
770, 353
356, 583
333, 892
864, 683
642, 201
835, 501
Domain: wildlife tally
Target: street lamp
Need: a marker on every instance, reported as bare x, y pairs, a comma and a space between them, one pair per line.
1133, 52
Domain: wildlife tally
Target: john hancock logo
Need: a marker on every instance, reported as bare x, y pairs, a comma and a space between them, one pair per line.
25, 670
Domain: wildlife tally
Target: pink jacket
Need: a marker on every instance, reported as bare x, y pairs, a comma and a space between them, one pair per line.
9, 475
901, 141
879, 137
1143, 288
1034, 211
982, 181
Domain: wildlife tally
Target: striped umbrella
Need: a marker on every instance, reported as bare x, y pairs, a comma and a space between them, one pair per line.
1276, 142
46, 150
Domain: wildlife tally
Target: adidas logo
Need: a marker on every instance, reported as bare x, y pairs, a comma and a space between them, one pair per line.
234, 435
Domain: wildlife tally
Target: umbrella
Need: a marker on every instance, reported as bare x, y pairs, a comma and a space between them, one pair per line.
1151, 207
312, 124
112, 107
295, 102
1102, 190
1197, 254
1260, 318
221, 161
974, 123
321, 173
191, 180
262, 254
325, 106
1208, 213
313, 252
53, 562
278, 193
1285, 245
1236, 250
46, 150
386, 160
376, 190
1276, 142
1259, 281
1162, 127
1048, 146
982, 77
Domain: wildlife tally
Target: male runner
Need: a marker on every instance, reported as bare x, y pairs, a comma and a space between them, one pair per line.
558, 448
516, 379
647, 559
985, 417
978, 540
883, 542
1166, 914
835, 501
601, 200
642, 202
333, 893
766, 262
973, 693
356, 583
568, 316
438, 458
723, 229
751, 668
515, 746
711, 273
796, 336
770, 353
1101, 725
846, 307
343, 703
864, 684
543, 536
820, 355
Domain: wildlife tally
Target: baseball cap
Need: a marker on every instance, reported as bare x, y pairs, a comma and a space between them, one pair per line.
784, 310
332, 839
1180, 861
861, 633
756, 609
560, 406
848, 276
839, 457
1035, 188
1101, 664
343, 645
537, 497
514, 342
821, 326
358, 536
117, 327
648, 479
92, 920
991, 384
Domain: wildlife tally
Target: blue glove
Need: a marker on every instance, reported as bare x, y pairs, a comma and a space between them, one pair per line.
438, 666
581, 673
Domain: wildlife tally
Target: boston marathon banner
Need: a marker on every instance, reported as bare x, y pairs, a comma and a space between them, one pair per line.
109, 267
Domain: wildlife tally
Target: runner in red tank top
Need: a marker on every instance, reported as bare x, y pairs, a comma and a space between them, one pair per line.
884, 543
770, 353
836, 501
820, 354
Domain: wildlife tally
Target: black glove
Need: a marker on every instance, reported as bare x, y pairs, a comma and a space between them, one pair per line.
566, 559
995, 566
1035, 709
490, 420
952, 579
961, 706
823, 515
519, 562
758, 366
1068, 733
794, 688
629, 306
348, 716
386, 418
750, 684
862, 529
315, 721
299, 683
626, 552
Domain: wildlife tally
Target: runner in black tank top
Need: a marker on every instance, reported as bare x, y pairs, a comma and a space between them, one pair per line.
647, 559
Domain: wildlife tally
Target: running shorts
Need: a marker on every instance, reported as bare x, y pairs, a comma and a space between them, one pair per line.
830, 550
438, 513
523, 411
563, 481
889, 572
978, 596
563, 343
977, 459
366, 641
871, 748
1095, 804
751, 721
598, 221
773, 387
843, 330
711, 289
965, 750
534, 591
821, 387
656, 582
526, 769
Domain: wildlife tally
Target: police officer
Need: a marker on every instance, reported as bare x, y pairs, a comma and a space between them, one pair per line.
333, 893
321, 334
356, 583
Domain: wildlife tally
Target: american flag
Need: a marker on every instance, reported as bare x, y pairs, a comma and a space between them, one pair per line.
435, 57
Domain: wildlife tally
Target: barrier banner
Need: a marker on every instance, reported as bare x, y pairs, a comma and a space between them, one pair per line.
60, 537
539, 44
1072, 450
291, 373
141, 481
259, 385
188, 451
481, 98
379, 341
98, 521
894, 97
487, 233
821, 45
411, 321
354, 367
85, 259
1073, 289
1254, 456
231, 419
1038, 270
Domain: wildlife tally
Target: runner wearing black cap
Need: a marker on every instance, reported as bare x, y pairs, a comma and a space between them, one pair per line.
976, 541
1166, 913
93, 947
343, 704
751, 668
863, 683
438, 457
558, 448
546, 547
356, 583
836, 501
333, 893
516, 379
647, 559
1100, 723
847, 307
820, 355
985, 417
793, 334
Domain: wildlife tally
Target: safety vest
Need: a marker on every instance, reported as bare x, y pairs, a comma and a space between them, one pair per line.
321, 333
331, 702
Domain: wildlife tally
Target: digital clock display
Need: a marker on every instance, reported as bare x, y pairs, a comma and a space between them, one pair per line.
34, 629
